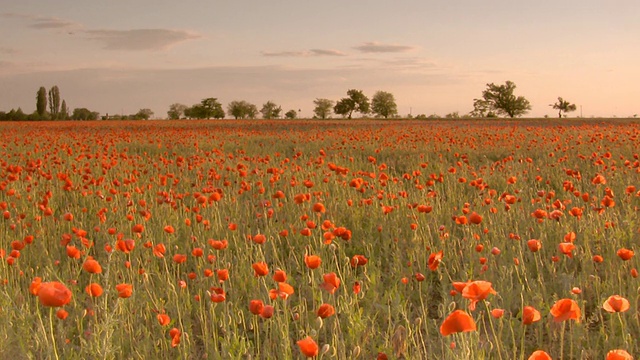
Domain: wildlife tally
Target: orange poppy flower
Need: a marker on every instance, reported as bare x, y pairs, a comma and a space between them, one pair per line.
179, 258
284, 291
308, 347
625, 254
259, 239
539, 355
35, 286
476, 291
169, 229
616, 303
331, 282
164, 319
219, 244
175, 337
197, 252
73, 252
256, 307
319, 208
434, 260
474, 218
92, 266
94, 290
618, 354
326, 310
565, 309
62, 314
497, 313
223, 274
280, 276
457, 321
530, 315
312, 261
124, 290
567, 248
267, 312
358, 260
54, 294
534, 245
260, 268
159, 250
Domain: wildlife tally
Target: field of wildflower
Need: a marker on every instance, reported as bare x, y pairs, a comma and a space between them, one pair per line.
320, 239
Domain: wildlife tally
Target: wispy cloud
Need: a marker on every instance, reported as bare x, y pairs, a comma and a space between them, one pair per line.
306, 53
376, 47
140, 39
42, 22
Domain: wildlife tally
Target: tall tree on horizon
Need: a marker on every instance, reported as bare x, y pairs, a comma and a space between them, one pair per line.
54, 102
41, 101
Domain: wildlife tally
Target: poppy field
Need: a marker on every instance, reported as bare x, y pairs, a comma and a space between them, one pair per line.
320, 239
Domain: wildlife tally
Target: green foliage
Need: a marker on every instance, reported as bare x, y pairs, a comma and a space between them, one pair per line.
482, 109
54, 102
500, 98
384, 104
241, 109
41, 101
323, 108
64, 111
291, 114
207, 109
143, 114
270, 110
176, 111
563, 106
355, 101
84, 114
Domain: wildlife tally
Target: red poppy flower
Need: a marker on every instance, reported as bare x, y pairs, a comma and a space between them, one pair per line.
92, 266
312, 261
539, 355
565, 309
256, 307
616, 303
260, 268
124, 290
331, 282
457, 321
94, 290
326, 310
618, 354
434, 260
308, 347
164, 319
477, 291
54, 294
530, 315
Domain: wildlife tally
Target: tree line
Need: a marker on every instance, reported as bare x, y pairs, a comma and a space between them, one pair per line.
496, 100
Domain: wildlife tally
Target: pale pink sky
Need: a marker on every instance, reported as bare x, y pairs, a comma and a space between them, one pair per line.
434, 56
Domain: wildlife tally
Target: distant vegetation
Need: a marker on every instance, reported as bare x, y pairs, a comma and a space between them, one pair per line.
496, 101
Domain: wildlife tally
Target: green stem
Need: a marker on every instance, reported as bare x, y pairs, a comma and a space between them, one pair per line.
53, 337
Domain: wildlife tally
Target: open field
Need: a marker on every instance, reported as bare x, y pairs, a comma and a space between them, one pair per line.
238, 239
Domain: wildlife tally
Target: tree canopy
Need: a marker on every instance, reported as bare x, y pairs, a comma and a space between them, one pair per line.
563, 106
384, 104
355, 101
501, 99
323, 108
241, 109
270, 110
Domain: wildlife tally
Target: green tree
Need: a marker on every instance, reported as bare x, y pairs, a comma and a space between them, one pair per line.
54, 102
176, 111
323, 108
212, 108
291, 114
481, 109
41, 101
355, 101
64, 111
143, 114
504, 102
241, 109
384, 104
84, 114
270, 110
207, 109
563, 106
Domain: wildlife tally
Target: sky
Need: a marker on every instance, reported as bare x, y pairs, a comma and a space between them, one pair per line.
119, 56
